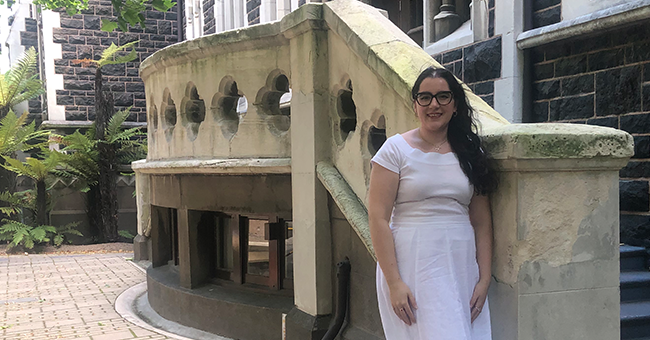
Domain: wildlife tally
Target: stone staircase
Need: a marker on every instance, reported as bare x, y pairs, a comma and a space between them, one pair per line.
635, 293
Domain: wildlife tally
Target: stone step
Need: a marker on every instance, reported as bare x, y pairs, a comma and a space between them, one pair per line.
635, 320
635, 286
633, 258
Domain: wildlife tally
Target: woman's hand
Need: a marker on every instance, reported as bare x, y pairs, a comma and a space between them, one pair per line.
478, 298
403, 302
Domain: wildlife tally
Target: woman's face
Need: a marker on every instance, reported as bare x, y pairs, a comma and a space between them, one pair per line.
435, 116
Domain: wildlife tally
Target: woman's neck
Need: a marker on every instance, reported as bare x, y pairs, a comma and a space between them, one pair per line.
433, 138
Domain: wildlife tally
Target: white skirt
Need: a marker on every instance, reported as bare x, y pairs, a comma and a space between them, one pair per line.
437, 260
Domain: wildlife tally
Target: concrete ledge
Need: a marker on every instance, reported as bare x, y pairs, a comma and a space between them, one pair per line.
521, 146
594, 23
84, 124
233, 312
234, 166
351, 206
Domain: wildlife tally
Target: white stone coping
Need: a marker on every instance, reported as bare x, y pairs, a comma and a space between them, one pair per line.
233, 166
557, 146
625, 14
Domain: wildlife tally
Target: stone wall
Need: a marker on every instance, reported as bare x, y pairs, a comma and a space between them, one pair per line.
29, 38
253, 11
209, 23
546, 12
80, 38
603, 80
478, 65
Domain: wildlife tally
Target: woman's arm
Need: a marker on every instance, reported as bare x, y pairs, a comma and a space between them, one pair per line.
381, 198
481, 218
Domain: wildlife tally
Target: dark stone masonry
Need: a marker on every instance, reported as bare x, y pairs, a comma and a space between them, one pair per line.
209, 23
29, 38
478, 65
81, 38
603, 80
546, 12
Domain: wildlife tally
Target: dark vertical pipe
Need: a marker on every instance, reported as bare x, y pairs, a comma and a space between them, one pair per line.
343, 275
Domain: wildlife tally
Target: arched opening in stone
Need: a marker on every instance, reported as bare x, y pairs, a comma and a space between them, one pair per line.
274, 101
377, 135
153, 116
228, 107
347, 110
192, 110
168, 108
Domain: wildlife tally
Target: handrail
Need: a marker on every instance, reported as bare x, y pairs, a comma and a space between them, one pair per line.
349, 203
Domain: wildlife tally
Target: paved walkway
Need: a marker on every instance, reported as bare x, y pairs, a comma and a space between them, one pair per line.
66, 297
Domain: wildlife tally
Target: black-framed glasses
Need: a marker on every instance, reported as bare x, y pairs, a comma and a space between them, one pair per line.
442, 97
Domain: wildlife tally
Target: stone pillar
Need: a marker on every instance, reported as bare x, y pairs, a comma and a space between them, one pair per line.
556, 231
141, 242
310, 143
431, 9
446, 21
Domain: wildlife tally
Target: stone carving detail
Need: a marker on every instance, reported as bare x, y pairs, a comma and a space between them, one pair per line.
228, 107
347, 110
275, 103
168, 108
192, 110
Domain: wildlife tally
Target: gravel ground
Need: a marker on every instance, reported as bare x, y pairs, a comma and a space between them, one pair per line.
99, 248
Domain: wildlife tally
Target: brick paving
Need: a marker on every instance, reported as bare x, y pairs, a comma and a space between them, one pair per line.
67, 297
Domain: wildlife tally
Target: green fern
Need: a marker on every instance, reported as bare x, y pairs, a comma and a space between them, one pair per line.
109, 56
20, 234
17, 135
61, 232
20, 83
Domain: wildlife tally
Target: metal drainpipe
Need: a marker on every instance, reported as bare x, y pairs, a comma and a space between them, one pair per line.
343, 275
40, 49
179, 19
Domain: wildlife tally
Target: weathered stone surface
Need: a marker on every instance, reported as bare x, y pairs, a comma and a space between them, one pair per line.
114, 70
540, 112
636, 123
618, 91
591, 44
646, 97
544, 71
542, 4
577, 85
77, 40
639, 52
84, 101
607, 121
572, 108
482, 61
65, 100
606, 59
134, 87
641, 147
546, 89
646, 72
484, 88
634, 196
635, 230
92, 22
557, 50
547, 17
452, 55
570, 66
123, 99
75, 115
72, 23
78, 85
635, 170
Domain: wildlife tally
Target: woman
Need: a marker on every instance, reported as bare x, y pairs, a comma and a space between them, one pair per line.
434, 258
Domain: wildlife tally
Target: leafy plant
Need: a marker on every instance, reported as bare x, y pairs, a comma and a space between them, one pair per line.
125, 234
61, 232
20, 83
17, 135
21, 234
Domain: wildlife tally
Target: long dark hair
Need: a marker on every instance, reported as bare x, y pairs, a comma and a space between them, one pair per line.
466, 144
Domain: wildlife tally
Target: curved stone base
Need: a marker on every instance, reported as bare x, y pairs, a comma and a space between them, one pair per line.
232, 312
